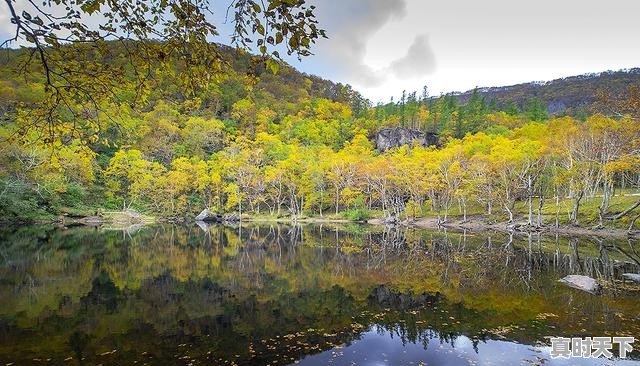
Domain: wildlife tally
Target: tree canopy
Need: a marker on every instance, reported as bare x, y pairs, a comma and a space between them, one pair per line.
68, 51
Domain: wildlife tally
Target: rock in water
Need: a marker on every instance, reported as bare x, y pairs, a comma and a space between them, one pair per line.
203, 225
211, 217
208, 216
632, 276
584, 283
203, 215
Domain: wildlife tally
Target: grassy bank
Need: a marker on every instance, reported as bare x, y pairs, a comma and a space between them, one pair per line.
425, 216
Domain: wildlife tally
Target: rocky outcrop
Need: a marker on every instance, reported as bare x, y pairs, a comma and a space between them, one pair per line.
389, 138
584, 283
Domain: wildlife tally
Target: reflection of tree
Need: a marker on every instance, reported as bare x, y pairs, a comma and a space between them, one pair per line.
631, 253
103, 293
241, 285
78, 342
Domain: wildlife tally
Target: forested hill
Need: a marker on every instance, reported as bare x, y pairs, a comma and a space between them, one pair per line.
246, 79
244, 140
571, 95
289, 84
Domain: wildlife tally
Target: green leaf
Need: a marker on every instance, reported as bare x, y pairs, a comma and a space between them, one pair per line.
293, 43
273, 66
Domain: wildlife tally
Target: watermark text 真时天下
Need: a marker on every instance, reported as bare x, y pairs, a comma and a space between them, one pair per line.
589, 347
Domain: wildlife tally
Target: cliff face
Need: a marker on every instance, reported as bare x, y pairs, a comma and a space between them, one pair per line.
389, 138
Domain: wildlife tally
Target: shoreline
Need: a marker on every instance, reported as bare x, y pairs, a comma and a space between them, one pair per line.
479, 225
473, 224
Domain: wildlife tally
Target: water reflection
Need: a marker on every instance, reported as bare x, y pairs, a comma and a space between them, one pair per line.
274, 294
383, 347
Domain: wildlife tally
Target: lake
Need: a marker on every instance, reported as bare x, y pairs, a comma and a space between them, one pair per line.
267, 294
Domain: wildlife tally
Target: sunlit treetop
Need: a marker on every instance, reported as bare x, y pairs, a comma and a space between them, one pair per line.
68, 44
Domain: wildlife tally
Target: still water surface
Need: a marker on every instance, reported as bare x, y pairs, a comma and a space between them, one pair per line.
306, 295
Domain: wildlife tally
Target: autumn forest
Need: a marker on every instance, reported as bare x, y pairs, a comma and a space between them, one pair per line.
290, 145
459, 185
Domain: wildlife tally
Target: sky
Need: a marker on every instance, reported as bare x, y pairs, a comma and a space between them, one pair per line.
382, 47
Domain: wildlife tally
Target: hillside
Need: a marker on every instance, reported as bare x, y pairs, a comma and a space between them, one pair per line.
243, 79
289, 83
249, 143
571, 95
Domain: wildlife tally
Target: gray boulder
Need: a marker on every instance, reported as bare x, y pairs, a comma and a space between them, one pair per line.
203, 225
212, 217
635, 277
389, 138
208, 216
584, 283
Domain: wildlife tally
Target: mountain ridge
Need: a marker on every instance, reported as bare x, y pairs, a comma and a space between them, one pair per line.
566, 95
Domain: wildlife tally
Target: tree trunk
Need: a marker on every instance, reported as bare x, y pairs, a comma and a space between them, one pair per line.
540, 205
301, 205
530, 200
557, 210
604, 205
464, 210
510, 212
625, 212
576, 208
633, 222
279, 198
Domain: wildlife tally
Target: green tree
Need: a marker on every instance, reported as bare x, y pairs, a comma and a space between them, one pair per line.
535, 109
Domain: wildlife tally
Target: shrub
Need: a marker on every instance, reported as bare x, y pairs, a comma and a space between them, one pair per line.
358, 214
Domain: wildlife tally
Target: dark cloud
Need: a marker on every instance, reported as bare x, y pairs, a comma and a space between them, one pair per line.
350, 24
419, 60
